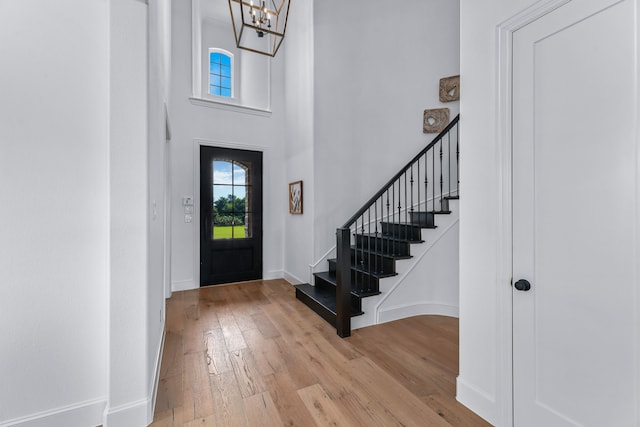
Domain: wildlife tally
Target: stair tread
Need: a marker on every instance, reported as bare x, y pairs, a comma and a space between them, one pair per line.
409, 224
324, 297
332, 279
380, 275
382, 254
390, 237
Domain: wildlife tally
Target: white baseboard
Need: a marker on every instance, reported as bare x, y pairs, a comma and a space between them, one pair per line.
82, 414
477, 400
417, 309
156, 376
131, 414
270, 275
292, 279
183, 285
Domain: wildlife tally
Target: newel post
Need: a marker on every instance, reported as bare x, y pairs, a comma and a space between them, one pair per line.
343, 283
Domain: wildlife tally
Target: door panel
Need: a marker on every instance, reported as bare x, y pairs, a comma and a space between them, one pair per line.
230, 215
574, 217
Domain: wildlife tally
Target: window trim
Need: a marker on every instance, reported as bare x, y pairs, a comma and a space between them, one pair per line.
198, 96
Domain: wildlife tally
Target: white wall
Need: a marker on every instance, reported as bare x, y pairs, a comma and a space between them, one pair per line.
159, 18
428, 283
131, 227
54, 212
480, 383
220, 127
79, 342
299, 75
376, 69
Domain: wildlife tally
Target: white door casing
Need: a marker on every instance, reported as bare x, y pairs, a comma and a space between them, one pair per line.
575, 216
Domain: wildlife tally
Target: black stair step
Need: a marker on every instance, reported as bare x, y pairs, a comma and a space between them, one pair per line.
371, 261
363, 268
402, 230
380, 253
385, 244
322, 301
423, 219
444, 203
360, 288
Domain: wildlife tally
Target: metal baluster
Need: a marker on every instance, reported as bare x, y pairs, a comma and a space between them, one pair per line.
406, 201
449, 159
426, 182
375, 247
399, 205
359, 272
433, 178
379, 250
411, 181
393, 217
388, 219
441, 181
368, 252
418, 180
458, 160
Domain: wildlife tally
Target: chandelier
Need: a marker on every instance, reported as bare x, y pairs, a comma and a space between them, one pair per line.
259, 27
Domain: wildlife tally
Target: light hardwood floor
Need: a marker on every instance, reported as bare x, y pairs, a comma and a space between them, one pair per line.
250, 354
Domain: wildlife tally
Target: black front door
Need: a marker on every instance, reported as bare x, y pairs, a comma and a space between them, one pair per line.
230, 215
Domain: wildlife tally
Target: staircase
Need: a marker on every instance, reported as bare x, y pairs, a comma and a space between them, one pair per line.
383, 231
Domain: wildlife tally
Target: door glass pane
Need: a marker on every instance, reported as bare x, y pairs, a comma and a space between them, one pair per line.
231, 213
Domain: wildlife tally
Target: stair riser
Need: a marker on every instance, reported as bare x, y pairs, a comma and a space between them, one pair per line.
389, 247
402, 231
363, 259
360, 281
356, 302
318, 308
423, 219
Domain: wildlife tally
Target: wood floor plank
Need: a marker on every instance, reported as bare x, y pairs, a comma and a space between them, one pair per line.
232, 333
262, 411
209, 421
174, 315
168, 418
262, 350
322, 409
169, 393
454, 412
228, 404
264, 325
249, 380
208, 316
197, 398
216, 353
264, 358
193, 337
172, 355
406, 407
285, 396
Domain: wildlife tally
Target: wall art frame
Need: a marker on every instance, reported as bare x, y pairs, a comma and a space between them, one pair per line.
295, 198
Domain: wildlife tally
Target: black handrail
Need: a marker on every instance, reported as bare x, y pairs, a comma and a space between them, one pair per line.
384, 188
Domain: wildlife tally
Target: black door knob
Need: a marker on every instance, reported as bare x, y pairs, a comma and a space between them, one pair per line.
522, 285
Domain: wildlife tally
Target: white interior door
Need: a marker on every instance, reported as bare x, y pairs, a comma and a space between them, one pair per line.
575, 217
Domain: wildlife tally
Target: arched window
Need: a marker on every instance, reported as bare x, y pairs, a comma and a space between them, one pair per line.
220, 73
